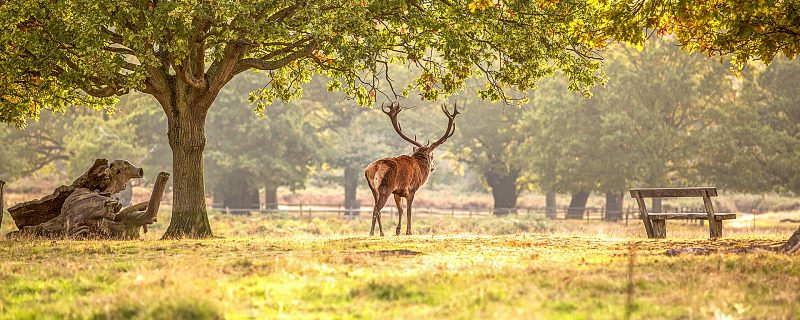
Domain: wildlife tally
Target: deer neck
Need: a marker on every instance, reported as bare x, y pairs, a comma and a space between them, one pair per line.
424, 164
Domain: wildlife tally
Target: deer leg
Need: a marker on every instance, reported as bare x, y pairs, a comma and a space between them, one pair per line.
375, 198
374, 218
410, 200
376, 213
399, 203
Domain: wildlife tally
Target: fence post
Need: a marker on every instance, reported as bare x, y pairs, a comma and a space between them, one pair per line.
627, 213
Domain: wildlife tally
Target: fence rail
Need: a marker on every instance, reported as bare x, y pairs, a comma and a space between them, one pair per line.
327, 210
630, 214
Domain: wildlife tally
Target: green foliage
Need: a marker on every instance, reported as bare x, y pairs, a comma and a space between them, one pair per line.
758, 135
280, 148
646, 127
746, 30
80, 52
488, 139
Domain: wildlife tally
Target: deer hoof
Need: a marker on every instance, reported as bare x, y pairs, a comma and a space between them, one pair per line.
408, 233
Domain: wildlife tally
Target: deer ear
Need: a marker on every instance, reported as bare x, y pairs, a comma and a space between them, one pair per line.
416, 148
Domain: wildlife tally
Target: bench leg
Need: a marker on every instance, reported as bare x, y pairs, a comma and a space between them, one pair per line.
659, 229
715, 229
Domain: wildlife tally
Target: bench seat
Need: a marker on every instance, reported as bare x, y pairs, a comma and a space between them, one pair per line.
690, 216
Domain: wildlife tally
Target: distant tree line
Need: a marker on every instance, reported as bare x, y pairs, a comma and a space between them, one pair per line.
665, 118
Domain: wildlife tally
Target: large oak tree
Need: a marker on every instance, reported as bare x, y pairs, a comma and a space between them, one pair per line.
55, 54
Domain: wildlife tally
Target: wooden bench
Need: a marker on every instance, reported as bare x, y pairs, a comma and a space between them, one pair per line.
656, 223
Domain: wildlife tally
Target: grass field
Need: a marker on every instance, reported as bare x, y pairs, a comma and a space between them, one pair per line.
503, 268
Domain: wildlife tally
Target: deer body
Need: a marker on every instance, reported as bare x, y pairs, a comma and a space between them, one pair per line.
402, 176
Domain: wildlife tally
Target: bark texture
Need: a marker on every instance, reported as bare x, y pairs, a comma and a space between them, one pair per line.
187, 138
793, 244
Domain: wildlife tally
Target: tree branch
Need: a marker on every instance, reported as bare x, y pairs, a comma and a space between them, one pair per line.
264, 64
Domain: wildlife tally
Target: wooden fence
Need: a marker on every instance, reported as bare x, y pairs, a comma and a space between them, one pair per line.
629, 214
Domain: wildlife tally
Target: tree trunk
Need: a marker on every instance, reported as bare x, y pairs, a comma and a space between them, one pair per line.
2, 202
187, 139
550, 205
270, 196
793, 244
577, 205
351, 179
656, 205
504, 191
614, 202
236, 191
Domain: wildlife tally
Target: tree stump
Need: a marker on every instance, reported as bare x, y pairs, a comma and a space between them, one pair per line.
86, 208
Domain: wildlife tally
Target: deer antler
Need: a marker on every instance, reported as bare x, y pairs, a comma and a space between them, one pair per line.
392, 110
451, 124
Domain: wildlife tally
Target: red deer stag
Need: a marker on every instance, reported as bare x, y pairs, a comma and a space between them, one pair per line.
403, 175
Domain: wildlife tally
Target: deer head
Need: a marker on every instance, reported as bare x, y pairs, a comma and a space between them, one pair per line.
393, 109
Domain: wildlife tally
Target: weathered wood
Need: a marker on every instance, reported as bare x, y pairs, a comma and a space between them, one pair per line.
655, 223
690, 216
674, 192
659, 229
39, 211
793, 244
101, 177
648, 226
133, 219
94, 215
714, 225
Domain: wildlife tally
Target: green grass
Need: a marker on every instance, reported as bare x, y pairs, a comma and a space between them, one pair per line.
456, 268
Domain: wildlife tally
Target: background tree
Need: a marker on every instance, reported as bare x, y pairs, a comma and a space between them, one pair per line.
759, 138
246, 152
354, 142
657, 109
85, 52
35, 148
487, 140
561, 138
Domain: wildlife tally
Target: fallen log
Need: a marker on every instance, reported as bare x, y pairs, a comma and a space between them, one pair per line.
102, 177
88, 214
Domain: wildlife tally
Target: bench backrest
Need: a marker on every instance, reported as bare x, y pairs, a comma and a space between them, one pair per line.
673, 192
